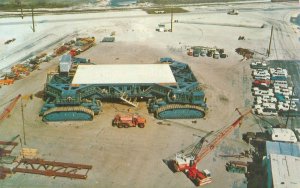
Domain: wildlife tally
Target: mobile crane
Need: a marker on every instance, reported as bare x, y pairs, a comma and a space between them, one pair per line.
188, 162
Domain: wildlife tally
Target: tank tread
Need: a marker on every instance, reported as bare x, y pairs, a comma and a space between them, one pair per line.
68, 113
179, 111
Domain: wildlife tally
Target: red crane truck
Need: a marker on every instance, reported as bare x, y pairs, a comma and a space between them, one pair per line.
188, 162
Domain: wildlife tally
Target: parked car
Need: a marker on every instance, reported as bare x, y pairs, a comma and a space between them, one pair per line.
287, 106
266, 112
258, 65
259, 82
278, 70
262, 77
280, 83
281, 78
269, 105
263, 92
279, 74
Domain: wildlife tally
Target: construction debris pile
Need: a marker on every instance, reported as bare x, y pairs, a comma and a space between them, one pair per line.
214, 52
19, 71
28, 162
246, 53
75, 47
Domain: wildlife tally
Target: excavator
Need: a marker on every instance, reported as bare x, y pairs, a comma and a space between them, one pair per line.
187, 162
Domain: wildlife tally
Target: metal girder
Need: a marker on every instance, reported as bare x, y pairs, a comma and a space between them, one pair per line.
4, 171
4, 145
52, 168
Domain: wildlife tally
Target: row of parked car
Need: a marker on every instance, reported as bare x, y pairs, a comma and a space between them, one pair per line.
273, 95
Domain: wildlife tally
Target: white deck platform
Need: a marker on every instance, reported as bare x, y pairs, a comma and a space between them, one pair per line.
124, 74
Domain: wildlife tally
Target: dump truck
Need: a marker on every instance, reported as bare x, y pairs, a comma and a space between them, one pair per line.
125, 121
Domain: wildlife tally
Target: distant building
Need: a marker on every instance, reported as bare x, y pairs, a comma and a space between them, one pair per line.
159, 11
282, 0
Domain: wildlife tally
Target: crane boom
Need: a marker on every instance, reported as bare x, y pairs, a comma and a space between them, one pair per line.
9, 108
187, 163
216, 141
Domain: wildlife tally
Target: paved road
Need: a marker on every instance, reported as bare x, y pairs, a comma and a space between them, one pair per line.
202, 11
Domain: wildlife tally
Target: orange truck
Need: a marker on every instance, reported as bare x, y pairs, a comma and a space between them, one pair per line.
6, 81
125, 121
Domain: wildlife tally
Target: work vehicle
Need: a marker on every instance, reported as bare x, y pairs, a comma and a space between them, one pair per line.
166, 60
9, 41
187, 161
233, 12
203, 51
6, 81
216, 55
223, 55
241, 38
236, 167
125, 121
196, 53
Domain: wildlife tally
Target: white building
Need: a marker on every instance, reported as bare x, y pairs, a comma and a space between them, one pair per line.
283, 171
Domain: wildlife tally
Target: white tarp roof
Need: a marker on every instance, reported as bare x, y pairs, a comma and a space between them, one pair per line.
124, 74
285, 171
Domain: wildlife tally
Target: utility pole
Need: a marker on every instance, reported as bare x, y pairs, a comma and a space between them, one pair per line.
269, 50
287, 119
22, 16
22, 109
172, 19
33, 25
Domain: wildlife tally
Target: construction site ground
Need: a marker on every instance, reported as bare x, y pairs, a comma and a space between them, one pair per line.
133, 157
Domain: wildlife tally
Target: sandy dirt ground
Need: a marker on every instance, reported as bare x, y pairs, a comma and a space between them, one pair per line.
134, 157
